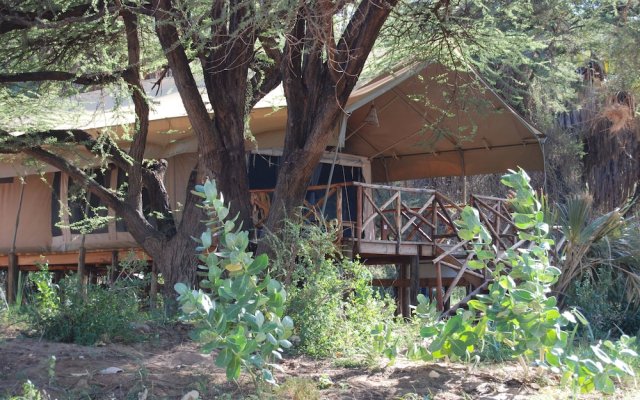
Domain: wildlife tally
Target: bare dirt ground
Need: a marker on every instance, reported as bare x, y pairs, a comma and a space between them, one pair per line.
167, 366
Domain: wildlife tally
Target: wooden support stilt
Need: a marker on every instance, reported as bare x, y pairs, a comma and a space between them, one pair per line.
13, 270
447, 304
12, 278
153, 290
405, 293
93, 275
113, 269
439, 288
415, 280
82, 270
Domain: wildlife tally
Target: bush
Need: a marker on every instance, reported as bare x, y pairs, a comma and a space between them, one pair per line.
330, 298
64, 313
518, 315
240, 311
601, 298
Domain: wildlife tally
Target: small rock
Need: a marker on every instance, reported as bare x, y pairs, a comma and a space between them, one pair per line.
82, 384
434, 375
142, 327
192, 395
111, 370
484, 388
143, 395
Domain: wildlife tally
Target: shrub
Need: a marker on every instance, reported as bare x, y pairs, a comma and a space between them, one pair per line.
330, 298
518, 314
240, 310
600, 296
65, 313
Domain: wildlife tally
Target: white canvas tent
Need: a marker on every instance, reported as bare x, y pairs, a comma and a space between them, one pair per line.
409, 124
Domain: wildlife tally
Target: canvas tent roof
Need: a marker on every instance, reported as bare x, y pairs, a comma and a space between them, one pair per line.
429, 121
420, 121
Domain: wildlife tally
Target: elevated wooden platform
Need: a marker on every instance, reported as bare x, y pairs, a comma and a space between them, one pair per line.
411, 228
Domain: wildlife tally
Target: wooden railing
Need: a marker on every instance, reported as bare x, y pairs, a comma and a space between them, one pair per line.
496, 216
393, 213
392, 221
321, 203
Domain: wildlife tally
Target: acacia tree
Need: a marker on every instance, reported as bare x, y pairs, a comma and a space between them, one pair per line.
243, 49
235, 45
54, 42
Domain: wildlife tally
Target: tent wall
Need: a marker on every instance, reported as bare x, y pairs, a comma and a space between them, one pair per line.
42, 197
34, 231
176, 179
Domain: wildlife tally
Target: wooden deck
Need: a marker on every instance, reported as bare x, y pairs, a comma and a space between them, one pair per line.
411, 228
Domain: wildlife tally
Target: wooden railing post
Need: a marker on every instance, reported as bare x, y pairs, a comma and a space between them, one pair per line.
359, 211
339, 211
398, 221
415, 279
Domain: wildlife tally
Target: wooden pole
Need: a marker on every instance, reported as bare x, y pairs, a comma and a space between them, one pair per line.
82, 254
415, 279
13, 267
405, 300
113, 271
12, 278
439, 297
359, 211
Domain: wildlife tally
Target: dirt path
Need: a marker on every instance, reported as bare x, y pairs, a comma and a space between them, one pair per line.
168, 365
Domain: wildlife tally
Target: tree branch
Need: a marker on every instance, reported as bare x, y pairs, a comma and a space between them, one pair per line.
358, 39
138, 226
12, 20
101, 78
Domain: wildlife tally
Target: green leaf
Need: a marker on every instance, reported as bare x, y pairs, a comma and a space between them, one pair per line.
522, 295
259, 318
224, 357
475, 264
233, 368
428, 331
205, 238
287, 323
181, 288
604, 357
258, 265
523, 221
477, 305
466, 234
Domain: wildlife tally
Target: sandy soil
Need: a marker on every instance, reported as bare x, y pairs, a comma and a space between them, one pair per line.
167, 366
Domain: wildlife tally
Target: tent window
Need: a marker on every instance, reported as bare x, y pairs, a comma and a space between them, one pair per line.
121, 225
55, 205
80, 212
6, 180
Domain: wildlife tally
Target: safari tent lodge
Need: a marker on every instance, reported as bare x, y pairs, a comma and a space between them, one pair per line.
418, 122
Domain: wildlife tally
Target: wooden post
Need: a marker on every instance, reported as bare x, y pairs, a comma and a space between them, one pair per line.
415, 279
82, 254
113, 270
12, 278
82, 270
13, 266
439, 288
153, 290
403, 291
339, 212
359, 211
398, 222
